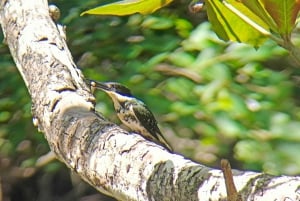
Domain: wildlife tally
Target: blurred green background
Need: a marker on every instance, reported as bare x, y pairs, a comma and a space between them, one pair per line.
212, 99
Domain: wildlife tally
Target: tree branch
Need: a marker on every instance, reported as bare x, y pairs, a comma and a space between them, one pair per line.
121, 164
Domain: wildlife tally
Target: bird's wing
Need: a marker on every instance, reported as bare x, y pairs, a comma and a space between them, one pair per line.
146, 116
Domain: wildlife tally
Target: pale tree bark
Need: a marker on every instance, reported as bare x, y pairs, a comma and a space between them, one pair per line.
117, 163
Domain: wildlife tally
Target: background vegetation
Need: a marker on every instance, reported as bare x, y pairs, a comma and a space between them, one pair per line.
212, 99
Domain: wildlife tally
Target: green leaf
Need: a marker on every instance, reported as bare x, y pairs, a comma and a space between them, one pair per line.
284, 13
128, 7
228, 126
236, 22
257, 7
158, 23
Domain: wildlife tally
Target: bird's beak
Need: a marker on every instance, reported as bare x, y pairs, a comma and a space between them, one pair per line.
99, 85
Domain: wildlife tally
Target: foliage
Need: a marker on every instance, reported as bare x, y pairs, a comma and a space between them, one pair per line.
128, 7
253, 22
215, 99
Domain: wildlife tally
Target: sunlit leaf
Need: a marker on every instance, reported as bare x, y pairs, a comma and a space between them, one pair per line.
284, 13
128, 7
235, 22
257, 7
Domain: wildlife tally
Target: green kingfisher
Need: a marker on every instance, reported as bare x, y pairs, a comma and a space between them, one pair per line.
132, 112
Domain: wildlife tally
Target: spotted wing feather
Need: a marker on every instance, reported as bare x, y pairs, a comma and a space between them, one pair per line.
146, 116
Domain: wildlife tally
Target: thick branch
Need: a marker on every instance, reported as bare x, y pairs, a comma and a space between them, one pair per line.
118, 163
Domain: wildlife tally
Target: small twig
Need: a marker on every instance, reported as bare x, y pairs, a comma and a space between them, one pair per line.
45, 159
232, 193
176, 71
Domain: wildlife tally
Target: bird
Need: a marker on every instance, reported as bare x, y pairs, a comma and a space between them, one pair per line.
132, 112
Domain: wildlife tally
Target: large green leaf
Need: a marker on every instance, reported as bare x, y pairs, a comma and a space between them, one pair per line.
257, 7
284, 13
128, 7
233, 21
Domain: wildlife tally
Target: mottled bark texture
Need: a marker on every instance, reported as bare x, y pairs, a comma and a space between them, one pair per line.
115, 162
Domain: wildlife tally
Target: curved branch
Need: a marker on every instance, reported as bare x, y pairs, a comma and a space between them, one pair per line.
121, 164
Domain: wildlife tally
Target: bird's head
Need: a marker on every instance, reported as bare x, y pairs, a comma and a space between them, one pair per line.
113, 89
